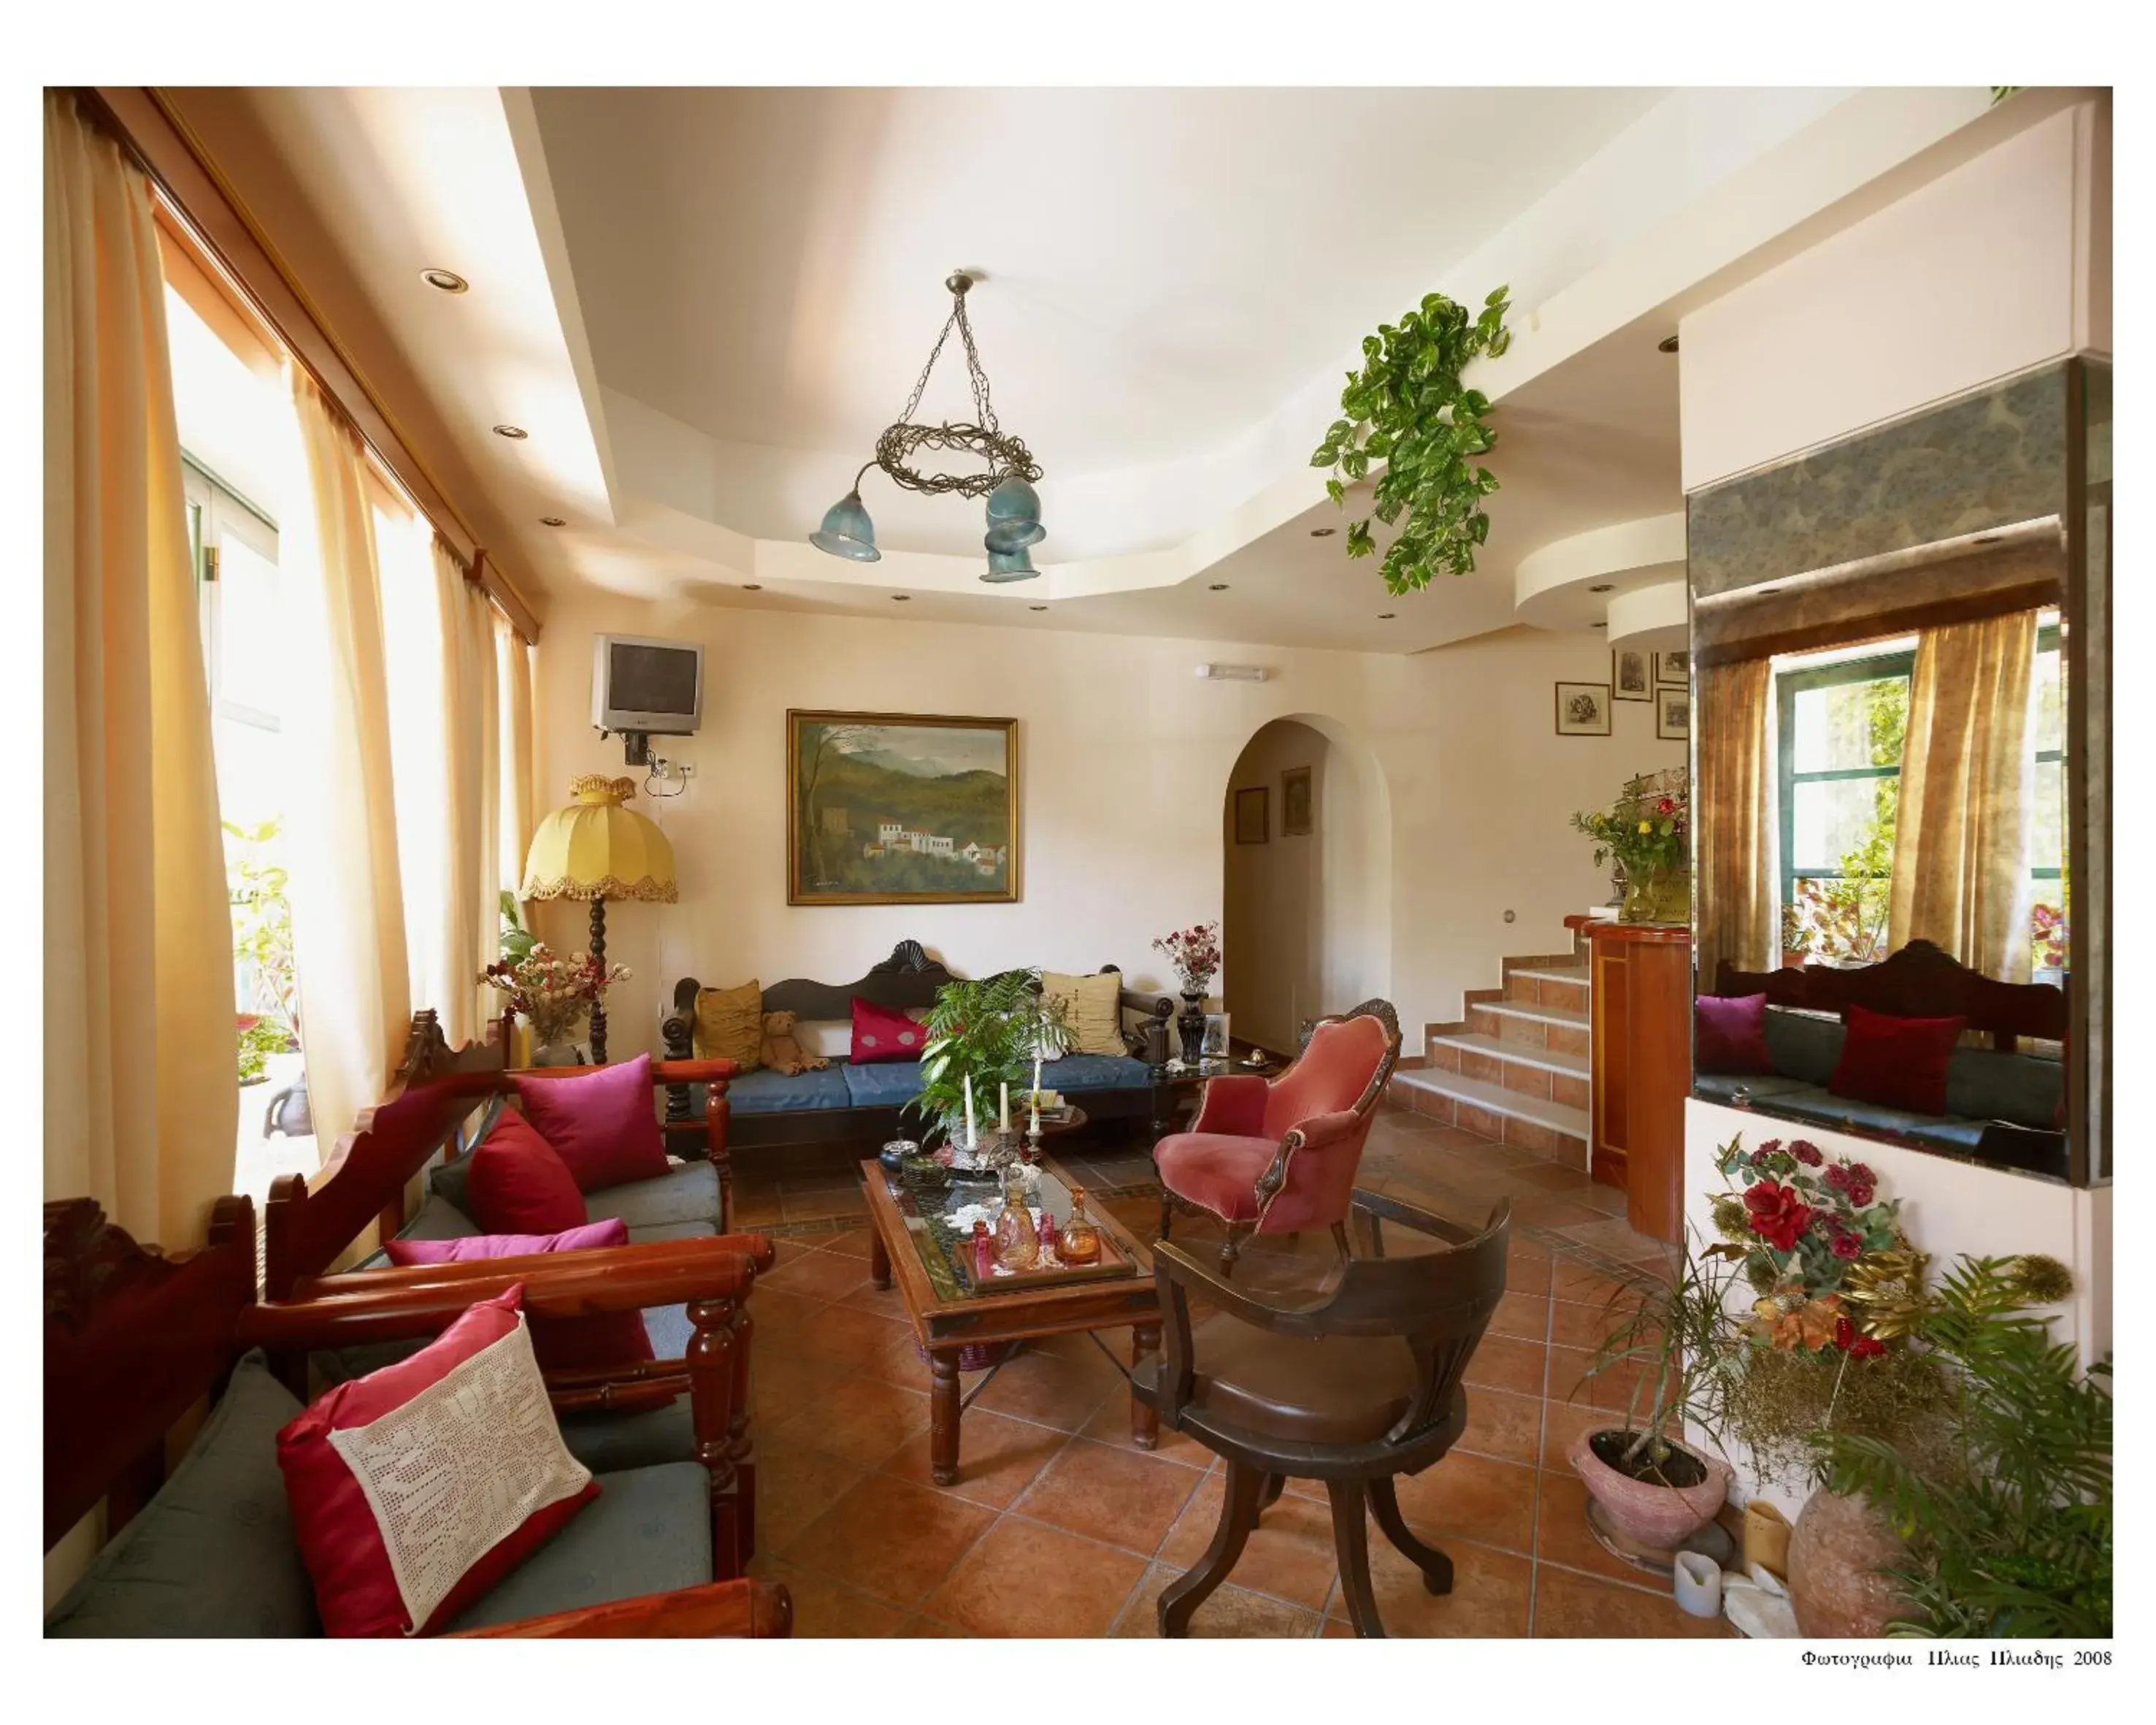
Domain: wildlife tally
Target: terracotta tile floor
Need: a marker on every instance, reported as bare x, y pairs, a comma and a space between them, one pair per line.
1059, 1525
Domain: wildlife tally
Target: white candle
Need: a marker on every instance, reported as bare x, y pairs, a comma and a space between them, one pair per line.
1002, 1106
1036, 1078
969, 1111
1036, 1113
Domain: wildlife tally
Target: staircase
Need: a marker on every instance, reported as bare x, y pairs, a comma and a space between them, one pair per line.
1516, 1069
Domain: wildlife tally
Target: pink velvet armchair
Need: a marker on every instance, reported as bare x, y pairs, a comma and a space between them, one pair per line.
1278, 1155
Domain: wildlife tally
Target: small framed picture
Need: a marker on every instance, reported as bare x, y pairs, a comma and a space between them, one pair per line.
1673, 667
1673, 714
1253, 816
1631, 674
1216, 1036
1583, 709
1294, 803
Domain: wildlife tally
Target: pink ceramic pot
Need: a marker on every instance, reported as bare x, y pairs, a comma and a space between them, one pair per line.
1662, 1516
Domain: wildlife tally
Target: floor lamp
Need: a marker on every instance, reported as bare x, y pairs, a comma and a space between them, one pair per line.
597, 849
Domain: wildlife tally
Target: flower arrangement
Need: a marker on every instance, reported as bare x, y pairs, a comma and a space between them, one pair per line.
1195, 953
1647, 829
552, 991
1798, 1225
2047, 935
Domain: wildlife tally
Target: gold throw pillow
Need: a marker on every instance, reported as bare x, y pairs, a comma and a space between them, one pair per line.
729, 1024
1091, 1004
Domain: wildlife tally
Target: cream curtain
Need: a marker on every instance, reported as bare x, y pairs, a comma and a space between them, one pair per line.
141, 1097
470, 719
1735, 821
348, 907
520, 793
1961, 839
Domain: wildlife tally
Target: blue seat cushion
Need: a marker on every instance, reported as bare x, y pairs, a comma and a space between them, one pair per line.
764, 1091
1846, 1114
213, 1553
1078, 1072
648, 1532
688, 1193
1760, 1086
1803, 1045
882, 1083
610, 1442
1987, 1085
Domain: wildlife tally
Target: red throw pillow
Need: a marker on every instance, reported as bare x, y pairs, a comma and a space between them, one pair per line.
599, 1123
416, 1489
1729, 1034
605, 1339
517, 1184
881, 1034
1897, 1062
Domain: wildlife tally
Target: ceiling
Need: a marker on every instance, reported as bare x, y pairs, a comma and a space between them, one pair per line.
704, 304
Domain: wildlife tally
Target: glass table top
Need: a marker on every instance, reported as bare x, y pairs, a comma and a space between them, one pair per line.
939, 1225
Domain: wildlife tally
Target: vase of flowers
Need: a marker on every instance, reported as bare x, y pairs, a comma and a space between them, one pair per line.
1195, 954
1647, 830
551, 992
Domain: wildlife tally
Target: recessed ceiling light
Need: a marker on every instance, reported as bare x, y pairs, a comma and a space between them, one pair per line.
1668, 344
1986, 539
1603, 587
900, 598
1218, 587
515, 434
552, 521
1323, 532
1598, 625
752, 586
1763, 592
1036, 607
1387, 616
446, 280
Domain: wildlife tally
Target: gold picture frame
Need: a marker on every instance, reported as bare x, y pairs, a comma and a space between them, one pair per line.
901, 808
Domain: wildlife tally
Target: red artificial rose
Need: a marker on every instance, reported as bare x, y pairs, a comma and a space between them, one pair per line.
1866, 1347
1837, 1177
1847, 1246
1845, 1332
1779, 1215
1806, 1152
1860, 1195
1770, 1146
1864, 1176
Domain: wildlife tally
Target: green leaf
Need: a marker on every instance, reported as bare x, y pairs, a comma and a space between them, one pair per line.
1336, 490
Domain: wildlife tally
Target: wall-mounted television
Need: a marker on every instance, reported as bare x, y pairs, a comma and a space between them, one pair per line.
642, 685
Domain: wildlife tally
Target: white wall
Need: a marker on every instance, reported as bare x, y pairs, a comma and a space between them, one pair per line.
1987, 270
1123, 755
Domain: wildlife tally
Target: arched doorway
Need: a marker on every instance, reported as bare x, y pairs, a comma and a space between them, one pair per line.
1306, 915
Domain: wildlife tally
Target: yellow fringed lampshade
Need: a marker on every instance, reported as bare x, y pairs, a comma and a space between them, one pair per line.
595, 849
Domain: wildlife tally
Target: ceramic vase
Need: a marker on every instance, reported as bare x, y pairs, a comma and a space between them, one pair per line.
1190, 1027
1837, 1552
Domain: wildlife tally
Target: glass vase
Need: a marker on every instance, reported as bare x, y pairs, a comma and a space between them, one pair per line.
1080, 1241
1018, 1244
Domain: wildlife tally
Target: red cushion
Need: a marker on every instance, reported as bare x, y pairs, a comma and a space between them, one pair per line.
603, 1340
881, 1034
514, 1474
1215, 1170
1897, 1062
1730, 1034
518, 1184
1334, 1071
599, 1123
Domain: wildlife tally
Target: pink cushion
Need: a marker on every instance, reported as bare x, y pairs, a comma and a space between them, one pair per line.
335, 1523
473, 1248
881, 1034
1334, 1071
1897, 1062
599, 1123
1216, 1170
1730, 1034
518, 1184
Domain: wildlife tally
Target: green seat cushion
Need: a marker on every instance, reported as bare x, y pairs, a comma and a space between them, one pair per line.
688, 1193
213, 1553
648, 1532
608, 1442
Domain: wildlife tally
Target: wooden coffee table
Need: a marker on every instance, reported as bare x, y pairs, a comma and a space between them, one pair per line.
947, 1316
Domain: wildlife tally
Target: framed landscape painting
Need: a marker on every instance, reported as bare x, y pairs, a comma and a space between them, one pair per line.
889, 808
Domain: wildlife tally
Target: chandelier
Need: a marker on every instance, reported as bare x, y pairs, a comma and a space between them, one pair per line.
1013, 507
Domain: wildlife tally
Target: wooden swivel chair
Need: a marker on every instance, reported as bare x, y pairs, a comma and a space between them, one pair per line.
1351, 1383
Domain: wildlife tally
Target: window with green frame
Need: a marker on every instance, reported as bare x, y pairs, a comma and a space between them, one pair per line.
1841, 726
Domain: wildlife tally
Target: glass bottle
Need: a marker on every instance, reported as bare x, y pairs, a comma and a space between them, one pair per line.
982, 1246
1049, 1244
1080, 1242
1018, 1246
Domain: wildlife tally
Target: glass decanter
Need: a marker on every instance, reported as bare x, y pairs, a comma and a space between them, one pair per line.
1017, 1245
981, 1255
1080, 1242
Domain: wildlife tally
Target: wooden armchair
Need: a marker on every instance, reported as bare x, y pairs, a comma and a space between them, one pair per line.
133, 1338
1351, 1383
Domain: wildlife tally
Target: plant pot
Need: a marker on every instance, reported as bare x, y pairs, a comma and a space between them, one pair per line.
1652, 1514
561, 1053
1837, 1551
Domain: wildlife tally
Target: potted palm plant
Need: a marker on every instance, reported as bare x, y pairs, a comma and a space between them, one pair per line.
987, 1031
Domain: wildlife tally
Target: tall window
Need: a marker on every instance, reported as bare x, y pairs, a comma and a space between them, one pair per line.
1843, 720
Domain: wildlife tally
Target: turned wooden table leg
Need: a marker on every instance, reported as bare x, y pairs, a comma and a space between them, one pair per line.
1145, 1418
943, 1412
879, 1259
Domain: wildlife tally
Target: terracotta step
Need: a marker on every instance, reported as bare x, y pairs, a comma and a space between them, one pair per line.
1531, 1123
1546, 1059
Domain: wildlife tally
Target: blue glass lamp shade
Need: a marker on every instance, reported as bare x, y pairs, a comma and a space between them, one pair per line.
1010, 566
1014, 515
847, 531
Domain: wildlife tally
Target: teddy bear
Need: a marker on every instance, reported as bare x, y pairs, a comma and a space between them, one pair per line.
782, 1049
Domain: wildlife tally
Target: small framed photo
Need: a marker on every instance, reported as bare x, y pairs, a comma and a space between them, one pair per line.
1294, 803
1673, 667
1631, 674
1216, 1036
1583, 709
1253, 816
1673, 714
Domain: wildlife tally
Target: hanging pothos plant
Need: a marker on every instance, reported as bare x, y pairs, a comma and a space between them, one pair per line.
1407, 408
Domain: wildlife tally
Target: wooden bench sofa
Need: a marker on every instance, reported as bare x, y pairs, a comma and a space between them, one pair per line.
843, 1104
133, 1339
